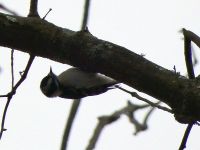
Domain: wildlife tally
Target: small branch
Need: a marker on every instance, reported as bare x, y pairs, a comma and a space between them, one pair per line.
143, 126
72, 114
138, 126
85, 14
9, 95
185, 137
12, 69
192, 36
7, 10
134, 94
47, 14
33, 11
4, 95
188, 56
105, 120
150, 112
24, 75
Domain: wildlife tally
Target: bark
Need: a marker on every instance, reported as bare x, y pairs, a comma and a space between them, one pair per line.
82, 49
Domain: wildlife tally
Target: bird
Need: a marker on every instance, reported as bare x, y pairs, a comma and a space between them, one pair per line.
75, 83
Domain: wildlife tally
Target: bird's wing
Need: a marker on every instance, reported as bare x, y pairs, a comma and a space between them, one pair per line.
79, 79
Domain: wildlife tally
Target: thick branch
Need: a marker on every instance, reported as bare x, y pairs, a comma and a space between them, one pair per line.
81, 49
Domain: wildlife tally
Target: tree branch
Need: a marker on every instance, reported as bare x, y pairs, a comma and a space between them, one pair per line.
85, 14
186, 135
33, 11
70, 121
103, 121
82, 49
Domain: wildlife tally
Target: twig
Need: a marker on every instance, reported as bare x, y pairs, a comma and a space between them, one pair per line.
144, 125
185, 137
85, 14
134, 94
47, 13
150, 112
70, 120
9, 95
24, 75
4, 95
138, 126
188, 56
33, 11
105, 120
129, 111
76, 103
12, 68
192, 36
8, 10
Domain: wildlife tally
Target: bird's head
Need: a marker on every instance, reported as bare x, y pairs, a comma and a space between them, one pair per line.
50, 85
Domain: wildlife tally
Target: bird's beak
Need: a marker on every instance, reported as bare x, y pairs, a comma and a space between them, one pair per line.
51, 70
